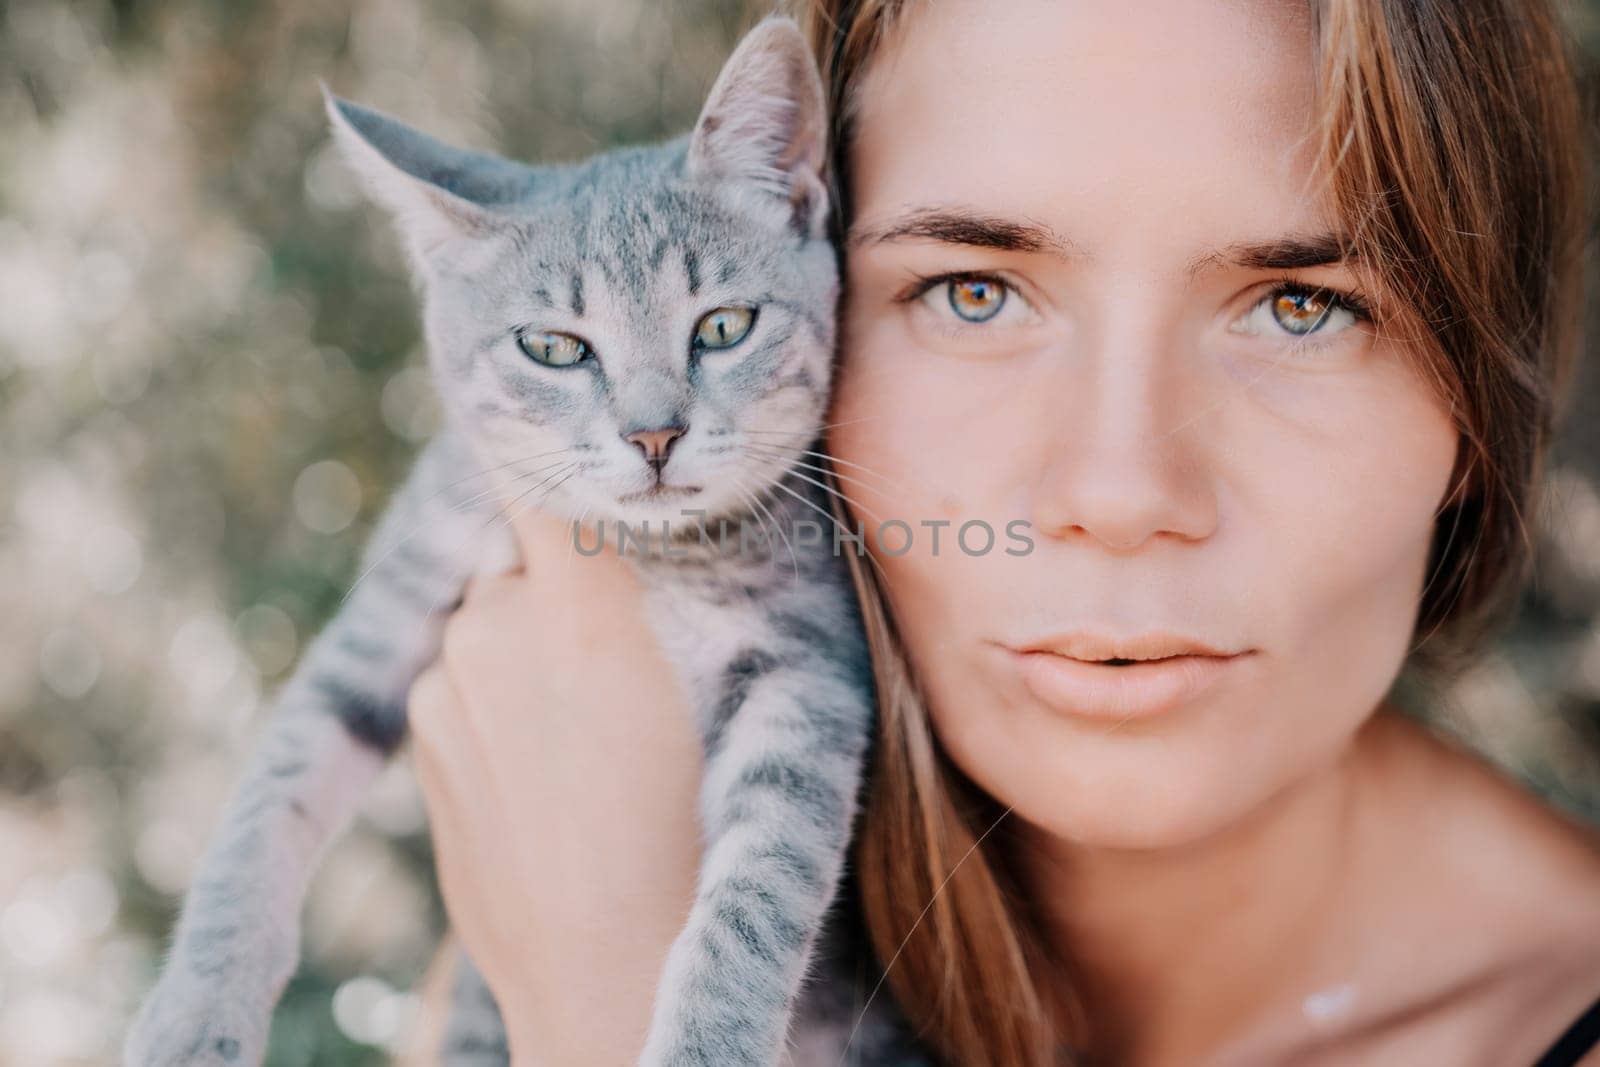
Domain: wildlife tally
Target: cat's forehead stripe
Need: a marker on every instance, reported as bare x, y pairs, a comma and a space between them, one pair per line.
691, 268
576, 290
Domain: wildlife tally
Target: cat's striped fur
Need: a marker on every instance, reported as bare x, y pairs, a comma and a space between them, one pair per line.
624, 250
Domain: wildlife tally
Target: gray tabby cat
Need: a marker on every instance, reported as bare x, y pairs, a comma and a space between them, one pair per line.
642, 333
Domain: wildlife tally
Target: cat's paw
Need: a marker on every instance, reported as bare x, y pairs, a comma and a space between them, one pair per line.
704, 1049
191, 1024
469, 1054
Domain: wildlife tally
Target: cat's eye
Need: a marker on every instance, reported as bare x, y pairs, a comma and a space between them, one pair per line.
723, 327
554, 349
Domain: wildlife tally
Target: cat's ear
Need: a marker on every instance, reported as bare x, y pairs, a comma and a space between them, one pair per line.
436, 192
765, 121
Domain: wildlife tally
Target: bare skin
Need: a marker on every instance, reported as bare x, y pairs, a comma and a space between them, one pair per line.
1281, 870
532, 766
1407, 906
1468, 931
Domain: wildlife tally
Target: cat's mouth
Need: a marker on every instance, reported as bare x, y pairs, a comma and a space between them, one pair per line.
659, 492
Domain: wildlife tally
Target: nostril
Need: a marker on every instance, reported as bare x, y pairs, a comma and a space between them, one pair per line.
656, 444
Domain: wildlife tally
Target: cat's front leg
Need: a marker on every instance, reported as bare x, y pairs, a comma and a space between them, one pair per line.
476, 1033
778, 803
333, 726
237, 940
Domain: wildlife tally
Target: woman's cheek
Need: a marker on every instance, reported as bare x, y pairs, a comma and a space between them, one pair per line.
884, 401
1339, 496
934, 421
1354, 464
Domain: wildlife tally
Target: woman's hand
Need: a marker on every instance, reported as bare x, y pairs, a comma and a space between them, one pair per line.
560, 763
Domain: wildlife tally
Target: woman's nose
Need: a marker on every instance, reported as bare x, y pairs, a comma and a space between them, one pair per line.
1128, 460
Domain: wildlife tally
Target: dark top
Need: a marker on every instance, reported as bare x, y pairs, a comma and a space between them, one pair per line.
1580, 1038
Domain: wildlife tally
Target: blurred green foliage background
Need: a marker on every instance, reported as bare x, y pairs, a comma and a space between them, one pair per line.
209, 378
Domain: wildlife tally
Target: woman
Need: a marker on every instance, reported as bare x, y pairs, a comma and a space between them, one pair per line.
1258, 315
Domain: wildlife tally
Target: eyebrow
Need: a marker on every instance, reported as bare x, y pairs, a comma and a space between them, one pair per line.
973, 228
1283, 253
964, 226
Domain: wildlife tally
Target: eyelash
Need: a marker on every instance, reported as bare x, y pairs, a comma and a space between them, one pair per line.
1347, 299
921, 283
1342, 299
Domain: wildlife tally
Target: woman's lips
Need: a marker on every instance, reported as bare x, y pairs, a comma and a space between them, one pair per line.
1136, 690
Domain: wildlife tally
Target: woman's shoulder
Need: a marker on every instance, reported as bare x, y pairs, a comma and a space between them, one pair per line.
1490, 833
1524, 858
1512, 886
1542, 871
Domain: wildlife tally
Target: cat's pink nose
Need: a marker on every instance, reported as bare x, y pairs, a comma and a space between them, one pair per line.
656, 444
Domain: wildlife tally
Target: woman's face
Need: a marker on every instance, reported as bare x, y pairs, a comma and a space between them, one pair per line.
1143, 368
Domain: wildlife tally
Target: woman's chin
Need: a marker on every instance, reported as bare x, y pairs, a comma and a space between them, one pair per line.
1115, 792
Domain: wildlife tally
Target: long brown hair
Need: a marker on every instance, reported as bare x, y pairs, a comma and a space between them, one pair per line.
1451, 144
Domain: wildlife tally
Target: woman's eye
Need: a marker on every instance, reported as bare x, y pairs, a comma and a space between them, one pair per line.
973, 299
1300, 311
976, 299
723, 327
554, 349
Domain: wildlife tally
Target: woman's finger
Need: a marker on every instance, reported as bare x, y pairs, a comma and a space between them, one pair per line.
428, 701
443, 762
445, 747
424, 749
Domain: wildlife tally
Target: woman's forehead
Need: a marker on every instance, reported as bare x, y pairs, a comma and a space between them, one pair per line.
1163, 113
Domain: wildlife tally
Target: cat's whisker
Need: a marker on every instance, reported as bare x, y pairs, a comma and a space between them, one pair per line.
456, 508
822, 470
750, 507
490, 470
485, 494
854, 466
445, 488
842, 496
577, 524
841, 477
866, 554
832, 459
501, 513
548, 492
563, 472
755, 501
860, 1018
815, 431
530, 506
